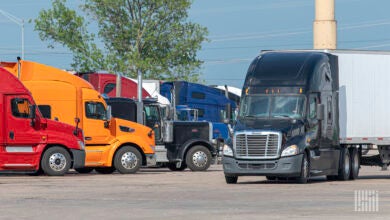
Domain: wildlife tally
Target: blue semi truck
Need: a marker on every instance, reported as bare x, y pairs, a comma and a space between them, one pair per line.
207, 104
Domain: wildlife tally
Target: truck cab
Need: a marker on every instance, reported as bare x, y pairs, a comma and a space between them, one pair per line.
111, 143
287, 125
30, 143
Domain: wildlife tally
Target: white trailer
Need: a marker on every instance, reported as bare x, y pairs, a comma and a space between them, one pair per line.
364, 107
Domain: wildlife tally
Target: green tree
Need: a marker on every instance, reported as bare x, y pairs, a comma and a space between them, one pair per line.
151, 36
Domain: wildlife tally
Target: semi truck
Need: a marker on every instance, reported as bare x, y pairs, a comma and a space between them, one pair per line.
210, 104
311, 113
29, 143
111, 143
179, 144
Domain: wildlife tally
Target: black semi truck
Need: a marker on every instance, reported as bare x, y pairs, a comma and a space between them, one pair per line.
179, 144
311, 113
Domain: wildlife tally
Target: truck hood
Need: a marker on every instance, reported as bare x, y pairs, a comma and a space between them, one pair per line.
289, 127
60, 127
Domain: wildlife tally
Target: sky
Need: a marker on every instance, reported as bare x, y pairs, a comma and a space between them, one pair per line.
238, 31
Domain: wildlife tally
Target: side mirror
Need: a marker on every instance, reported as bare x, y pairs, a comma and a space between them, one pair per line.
33, 112
109, 113
320, 112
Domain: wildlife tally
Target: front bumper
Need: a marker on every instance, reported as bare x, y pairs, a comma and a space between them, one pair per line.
78, 158
283, 167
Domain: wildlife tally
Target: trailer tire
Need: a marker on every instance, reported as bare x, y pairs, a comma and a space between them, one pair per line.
173, 167
84, 170
305, 170
127, 160
198, 158
345, 165
231, 179
105, 170
355, 164
55, 161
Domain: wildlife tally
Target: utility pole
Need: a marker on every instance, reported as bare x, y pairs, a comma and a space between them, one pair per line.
324, 25
17, 21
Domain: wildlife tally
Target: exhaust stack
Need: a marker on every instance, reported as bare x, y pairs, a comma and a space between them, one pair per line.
324, 25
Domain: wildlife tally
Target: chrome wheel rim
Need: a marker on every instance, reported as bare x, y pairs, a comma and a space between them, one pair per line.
199, 159
129, 160
57, 162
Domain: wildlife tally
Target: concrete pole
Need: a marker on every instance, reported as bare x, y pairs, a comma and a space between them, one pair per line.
324, 25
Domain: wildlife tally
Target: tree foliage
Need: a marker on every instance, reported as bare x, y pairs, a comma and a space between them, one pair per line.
151, 36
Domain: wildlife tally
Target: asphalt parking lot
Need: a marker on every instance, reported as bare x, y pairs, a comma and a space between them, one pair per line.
161, 194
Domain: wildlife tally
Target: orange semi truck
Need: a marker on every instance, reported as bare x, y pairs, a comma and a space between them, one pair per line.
110, 143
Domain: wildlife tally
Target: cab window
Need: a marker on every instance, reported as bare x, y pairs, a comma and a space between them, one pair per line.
20, 108
95, 110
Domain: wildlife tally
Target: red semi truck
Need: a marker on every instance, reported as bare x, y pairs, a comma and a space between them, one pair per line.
30, 143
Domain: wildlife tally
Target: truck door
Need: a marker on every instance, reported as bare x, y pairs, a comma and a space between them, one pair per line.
314, 131
21, 136
94, 123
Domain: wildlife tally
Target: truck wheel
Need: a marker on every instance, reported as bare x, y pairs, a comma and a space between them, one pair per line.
84, 170
231, 179
345, 165
305, 170
198, 158
105, 170
127, 160
355, 164
172, 167
55, 161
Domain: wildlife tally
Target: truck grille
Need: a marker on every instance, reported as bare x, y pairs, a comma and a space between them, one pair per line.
257, 145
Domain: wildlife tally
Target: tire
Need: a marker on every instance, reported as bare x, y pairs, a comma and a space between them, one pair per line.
198, 158
84, 170
105, 170
305, 170
172, 167
55, 161
127, 160
355, 164
271, 178
345, 165
231, 179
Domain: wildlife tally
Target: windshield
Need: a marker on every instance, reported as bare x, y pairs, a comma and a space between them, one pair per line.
280, 106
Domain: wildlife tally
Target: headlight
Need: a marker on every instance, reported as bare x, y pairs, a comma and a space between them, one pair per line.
290, 150
81, 145
227, 150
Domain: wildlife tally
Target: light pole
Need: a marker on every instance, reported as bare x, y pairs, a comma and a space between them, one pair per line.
17, 21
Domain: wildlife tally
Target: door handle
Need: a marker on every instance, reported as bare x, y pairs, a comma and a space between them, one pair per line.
88, 138
11, 135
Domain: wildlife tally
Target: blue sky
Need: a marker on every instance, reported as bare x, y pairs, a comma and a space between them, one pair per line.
238, 31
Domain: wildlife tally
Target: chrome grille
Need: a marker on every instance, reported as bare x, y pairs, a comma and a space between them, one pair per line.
257, 145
